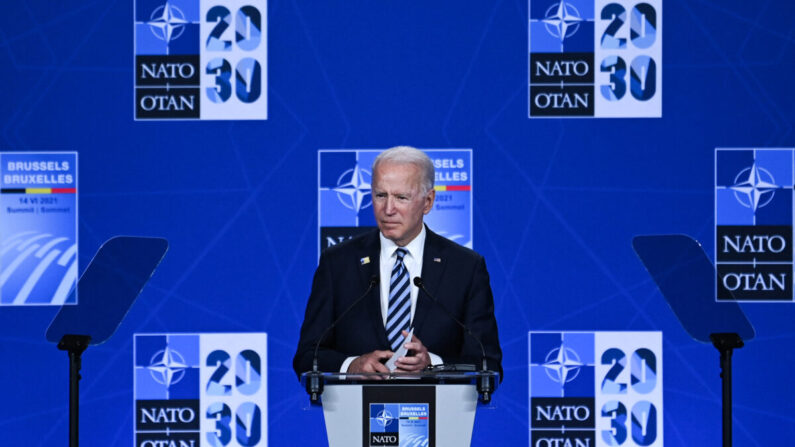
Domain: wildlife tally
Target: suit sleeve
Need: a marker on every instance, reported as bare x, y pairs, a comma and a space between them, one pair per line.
479, 317
318, 316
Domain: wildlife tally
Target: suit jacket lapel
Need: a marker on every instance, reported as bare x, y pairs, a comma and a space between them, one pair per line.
433, 263
372, 249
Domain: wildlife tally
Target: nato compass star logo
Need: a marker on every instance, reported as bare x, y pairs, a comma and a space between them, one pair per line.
167, 367
167, 22
562, 20
754, 187
353, 188
562, 364
384, 417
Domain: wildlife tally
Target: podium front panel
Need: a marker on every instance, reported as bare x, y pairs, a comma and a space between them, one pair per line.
445, 412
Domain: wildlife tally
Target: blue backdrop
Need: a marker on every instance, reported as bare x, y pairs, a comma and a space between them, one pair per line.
556, 202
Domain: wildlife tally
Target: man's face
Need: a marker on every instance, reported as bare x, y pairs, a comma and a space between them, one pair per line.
399, 202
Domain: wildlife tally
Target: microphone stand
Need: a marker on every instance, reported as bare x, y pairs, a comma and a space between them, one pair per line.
484, 385
314, 385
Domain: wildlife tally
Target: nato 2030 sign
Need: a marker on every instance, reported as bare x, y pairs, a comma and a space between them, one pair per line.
38, 228
596, 389
201, 390
201, 59
595, 58
753, 224
345, 206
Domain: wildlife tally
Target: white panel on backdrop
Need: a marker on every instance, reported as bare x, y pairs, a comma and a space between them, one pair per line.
201, 389
38, 228
595, 389
201, 59
595, 58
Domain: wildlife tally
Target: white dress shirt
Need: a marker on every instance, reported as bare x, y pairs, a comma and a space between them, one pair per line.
413, 262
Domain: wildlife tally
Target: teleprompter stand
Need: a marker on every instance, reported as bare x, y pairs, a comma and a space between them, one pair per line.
686, 278
726, 343
74, 345
106, 291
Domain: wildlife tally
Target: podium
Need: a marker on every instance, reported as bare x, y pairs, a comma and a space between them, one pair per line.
383, 410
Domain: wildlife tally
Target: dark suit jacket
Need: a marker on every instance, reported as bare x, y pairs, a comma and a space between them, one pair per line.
456, 276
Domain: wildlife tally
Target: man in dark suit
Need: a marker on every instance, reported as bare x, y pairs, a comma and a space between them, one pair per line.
402, 249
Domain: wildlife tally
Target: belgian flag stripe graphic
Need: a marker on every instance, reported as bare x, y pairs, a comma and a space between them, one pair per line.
38, 190
452, 187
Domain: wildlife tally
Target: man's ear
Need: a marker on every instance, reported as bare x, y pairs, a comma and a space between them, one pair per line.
429, 201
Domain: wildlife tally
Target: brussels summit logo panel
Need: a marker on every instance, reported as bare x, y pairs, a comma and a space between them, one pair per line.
38, 228
345, 201
200, 390
201, 59
398, 424
595, 58
753, 224
595, 389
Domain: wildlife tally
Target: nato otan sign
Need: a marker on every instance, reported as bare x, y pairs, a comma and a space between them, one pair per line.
201, 59
753, 224
595, 389
595, 58
201, 390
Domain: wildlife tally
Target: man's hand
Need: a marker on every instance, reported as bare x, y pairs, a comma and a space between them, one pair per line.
370, 363
418, 360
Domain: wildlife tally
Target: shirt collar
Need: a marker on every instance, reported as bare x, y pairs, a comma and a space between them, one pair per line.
414, 248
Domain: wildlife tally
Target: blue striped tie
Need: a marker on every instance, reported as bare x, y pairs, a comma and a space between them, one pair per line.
399, 314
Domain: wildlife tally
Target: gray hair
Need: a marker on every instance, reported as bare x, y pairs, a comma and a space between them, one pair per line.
409, 155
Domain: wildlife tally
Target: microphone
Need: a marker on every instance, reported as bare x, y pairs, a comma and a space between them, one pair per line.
484, 385
314, 386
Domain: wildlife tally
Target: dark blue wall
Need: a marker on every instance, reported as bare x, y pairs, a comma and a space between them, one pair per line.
556, 202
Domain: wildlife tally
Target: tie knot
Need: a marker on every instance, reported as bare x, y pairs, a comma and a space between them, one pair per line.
400, 253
